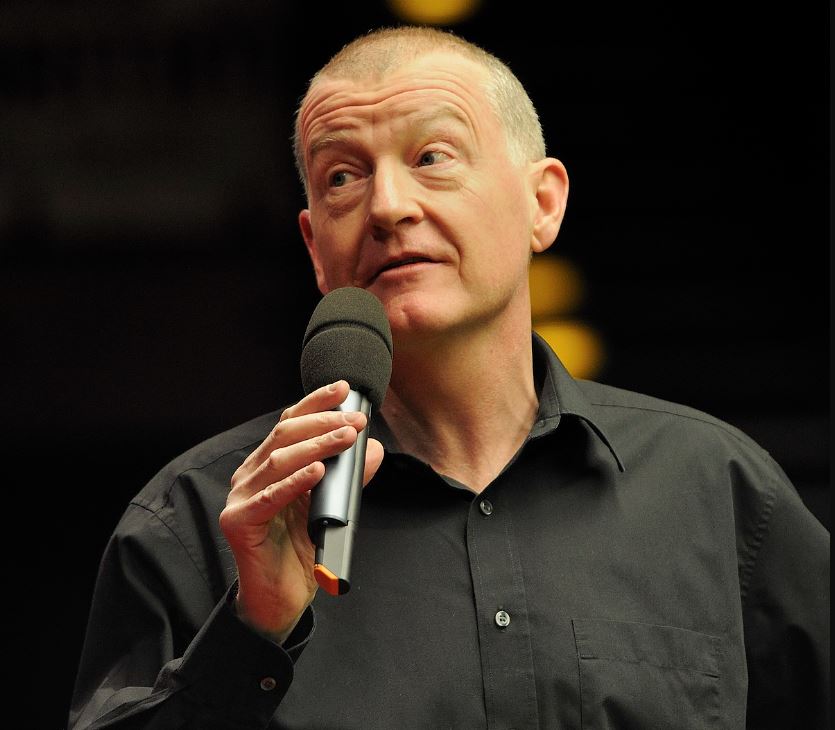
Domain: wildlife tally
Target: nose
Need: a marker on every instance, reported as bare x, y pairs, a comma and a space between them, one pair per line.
393, 199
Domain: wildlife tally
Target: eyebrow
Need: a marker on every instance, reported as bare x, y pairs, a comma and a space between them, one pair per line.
332, 139
418, 118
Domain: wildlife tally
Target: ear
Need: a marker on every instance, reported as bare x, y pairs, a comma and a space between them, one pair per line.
550, 183
312, 250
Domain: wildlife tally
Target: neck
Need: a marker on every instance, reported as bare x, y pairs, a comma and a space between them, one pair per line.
463, 404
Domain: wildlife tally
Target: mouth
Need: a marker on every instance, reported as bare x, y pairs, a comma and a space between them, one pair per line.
400, 263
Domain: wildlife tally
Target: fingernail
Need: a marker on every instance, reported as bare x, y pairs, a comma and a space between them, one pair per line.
353, 416
332, 388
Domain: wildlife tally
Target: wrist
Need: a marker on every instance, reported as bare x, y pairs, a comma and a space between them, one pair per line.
276, 630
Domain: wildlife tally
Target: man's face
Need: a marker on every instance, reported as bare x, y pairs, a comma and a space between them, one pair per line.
413, 196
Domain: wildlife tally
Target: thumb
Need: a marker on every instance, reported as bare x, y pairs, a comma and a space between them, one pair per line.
373, 459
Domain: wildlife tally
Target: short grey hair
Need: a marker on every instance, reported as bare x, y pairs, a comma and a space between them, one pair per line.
383, 50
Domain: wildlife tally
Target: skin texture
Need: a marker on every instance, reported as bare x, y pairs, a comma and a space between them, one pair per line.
413, 196
415, 166
265, 518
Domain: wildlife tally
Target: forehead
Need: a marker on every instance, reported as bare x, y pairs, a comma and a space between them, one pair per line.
440, 82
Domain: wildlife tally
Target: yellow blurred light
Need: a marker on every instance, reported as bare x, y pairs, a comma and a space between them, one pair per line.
556, 286
578, 346
434, 12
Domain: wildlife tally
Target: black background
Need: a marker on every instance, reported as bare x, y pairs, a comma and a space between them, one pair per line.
155, 287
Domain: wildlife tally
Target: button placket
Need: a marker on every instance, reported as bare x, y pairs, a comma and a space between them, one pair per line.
498, 581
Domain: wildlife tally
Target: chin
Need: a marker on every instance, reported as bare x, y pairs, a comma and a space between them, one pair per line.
416, 313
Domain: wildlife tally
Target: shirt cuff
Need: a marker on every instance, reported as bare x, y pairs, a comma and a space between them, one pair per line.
231, 670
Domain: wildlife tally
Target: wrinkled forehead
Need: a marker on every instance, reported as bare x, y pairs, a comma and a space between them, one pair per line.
439, 78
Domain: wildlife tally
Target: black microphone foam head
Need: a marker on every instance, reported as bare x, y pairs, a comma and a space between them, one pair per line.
348, 338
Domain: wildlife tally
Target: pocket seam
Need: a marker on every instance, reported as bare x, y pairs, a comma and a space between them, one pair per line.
644, 662
706, 648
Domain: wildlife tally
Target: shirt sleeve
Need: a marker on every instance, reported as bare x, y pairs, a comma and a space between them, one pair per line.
786, 616
161, 651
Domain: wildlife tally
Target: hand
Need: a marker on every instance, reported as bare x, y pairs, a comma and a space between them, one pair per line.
265, 518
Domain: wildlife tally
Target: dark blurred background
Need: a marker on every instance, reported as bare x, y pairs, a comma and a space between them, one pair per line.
155, 287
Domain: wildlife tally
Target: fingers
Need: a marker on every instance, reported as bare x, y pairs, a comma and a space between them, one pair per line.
279, 494
282, 462
288, 462
311, 416
264, 505
293, 431
321, 399
307, 432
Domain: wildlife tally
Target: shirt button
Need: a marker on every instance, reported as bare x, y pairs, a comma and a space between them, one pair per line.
268, 684
502, 619
486, 507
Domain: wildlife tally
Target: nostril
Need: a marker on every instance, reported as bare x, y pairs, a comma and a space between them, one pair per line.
380, 234
382, 230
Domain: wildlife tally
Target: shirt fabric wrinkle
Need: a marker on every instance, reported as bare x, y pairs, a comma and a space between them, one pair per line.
578, 550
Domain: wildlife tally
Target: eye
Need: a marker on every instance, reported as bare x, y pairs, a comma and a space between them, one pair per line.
340, 178
432, 157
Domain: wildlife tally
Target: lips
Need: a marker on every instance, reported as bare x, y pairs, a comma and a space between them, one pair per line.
404, 261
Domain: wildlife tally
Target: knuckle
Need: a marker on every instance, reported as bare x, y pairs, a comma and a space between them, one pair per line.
267, 495
239, 478
274, 460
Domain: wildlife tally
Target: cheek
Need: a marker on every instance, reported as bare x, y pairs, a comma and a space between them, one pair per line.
336, 268
334, 239
495, 219
500, 197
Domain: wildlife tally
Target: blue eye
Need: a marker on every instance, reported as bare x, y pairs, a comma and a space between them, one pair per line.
338, 179
432, 157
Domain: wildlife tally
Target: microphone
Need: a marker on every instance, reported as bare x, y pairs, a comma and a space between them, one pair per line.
348, 338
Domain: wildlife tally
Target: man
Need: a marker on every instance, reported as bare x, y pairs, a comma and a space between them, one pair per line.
533, 551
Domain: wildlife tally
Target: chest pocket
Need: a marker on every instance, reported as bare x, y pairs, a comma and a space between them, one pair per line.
640, 676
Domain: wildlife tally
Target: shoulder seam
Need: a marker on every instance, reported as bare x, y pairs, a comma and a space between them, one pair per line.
707, 420
179, 474
155, 512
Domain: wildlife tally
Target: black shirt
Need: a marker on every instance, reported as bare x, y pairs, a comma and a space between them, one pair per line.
638, 564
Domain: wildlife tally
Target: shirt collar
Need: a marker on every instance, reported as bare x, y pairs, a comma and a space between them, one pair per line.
559, 395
